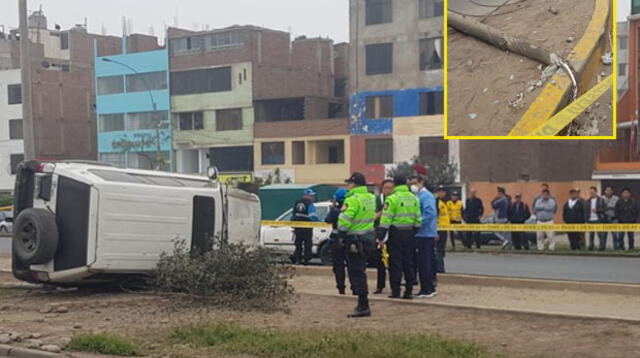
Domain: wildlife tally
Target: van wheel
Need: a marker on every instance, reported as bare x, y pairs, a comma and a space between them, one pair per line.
326, 254
35, 236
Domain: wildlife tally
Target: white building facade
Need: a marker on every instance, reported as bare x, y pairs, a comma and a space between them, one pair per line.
11, 144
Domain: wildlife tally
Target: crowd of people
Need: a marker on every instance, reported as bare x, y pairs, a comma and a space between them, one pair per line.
397, 231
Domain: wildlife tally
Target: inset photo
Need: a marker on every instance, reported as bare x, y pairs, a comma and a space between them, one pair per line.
531, 69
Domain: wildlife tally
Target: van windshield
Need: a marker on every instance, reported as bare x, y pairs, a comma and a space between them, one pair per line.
124, 177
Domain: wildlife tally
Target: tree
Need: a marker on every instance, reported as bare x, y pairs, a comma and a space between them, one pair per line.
143, 144
441, 171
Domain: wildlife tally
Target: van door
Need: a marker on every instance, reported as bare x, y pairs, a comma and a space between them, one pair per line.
203, 223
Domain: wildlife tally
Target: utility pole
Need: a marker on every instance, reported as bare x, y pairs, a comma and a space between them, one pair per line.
25, 66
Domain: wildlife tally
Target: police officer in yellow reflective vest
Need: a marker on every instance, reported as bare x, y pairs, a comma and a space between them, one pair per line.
355, 228
401, 217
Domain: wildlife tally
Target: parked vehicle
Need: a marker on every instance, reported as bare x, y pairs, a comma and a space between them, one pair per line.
81, 222
490, 238
277, 198
6, 223
281, 238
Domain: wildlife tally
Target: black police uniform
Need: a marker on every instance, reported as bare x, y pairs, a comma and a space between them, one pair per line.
303, 236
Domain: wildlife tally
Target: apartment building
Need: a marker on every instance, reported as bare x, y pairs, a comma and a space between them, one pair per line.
231, 87
62, 85
133, 105
396, 84
11, 145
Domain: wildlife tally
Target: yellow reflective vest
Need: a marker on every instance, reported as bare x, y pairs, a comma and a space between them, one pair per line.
455, 210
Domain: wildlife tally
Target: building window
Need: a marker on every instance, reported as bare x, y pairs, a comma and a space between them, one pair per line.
431, 54
224, 40
379, 151
147, 120
431, 8
229, 119
378, 12
622, 42
431, 103
329, 152
379, 58
433, 148
148, 161
110, 85
379, 107
622, 69
190, 121
15, 94
272, 153
232, 159
187, 45
15, 160
15, 129
201, 81
298, 152
151, 81
111, 122
117, 159
64, 41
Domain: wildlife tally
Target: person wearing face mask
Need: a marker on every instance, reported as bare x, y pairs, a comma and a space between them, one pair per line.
377, 259
455, 208
338, 254
425, 237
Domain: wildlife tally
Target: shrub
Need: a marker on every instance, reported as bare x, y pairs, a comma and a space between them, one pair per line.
230, 275
103, 343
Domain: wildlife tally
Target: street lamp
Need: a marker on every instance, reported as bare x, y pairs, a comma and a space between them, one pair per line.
153, 103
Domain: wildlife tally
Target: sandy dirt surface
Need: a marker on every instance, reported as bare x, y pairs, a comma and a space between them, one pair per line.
482, 79
597, 120
54, 317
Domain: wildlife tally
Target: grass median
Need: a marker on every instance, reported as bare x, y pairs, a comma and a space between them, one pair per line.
231, 338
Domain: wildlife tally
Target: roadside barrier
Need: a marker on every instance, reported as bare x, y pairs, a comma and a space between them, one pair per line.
488, 227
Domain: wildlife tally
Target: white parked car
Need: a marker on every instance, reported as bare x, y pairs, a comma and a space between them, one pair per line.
81, 222
281, 238
6, 223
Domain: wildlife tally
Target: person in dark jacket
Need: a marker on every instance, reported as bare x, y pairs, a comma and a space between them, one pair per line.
519, 213
338, 254
473, 211
594, 213
573, 213
627, 213
304, 210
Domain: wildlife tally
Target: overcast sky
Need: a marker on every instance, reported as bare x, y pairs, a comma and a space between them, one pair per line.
624, 9
327, 18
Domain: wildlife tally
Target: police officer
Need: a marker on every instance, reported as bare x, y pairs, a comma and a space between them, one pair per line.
401, 218
338, 258
455, 209
304, 210
355, 229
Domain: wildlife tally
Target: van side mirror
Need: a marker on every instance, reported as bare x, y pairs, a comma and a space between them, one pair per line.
212, 173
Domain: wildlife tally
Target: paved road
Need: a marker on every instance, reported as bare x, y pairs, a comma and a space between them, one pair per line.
605, 269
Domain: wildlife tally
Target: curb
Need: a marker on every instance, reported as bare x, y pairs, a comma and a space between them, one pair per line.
17, 352
509, 282
426, 302
585, 58
533, 252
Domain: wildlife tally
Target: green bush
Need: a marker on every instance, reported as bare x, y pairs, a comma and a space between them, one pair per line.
231, 275
103, 343
315, 343
6, 200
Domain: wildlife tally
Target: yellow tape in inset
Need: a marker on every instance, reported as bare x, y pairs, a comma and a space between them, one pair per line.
554, 125
488, 227
542, 227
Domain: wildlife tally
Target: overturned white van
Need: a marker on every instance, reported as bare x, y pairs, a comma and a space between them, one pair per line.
82, 222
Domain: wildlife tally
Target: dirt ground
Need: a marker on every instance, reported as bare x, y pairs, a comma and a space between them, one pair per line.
482, 79
596, 120
54, 317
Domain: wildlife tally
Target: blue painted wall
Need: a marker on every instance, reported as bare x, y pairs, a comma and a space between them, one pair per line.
406, 103
142, 62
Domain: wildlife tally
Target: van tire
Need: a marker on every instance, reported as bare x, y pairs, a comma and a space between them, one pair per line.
35, 236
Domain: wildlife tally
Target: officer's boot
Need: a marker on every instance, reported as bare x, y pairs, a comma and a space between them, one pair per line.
362, 310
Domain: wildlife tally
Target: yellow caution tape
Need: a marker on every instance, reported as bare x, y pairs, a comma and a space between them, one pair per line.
542, 227
488, 227
6, 208
554, 125
296, 224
